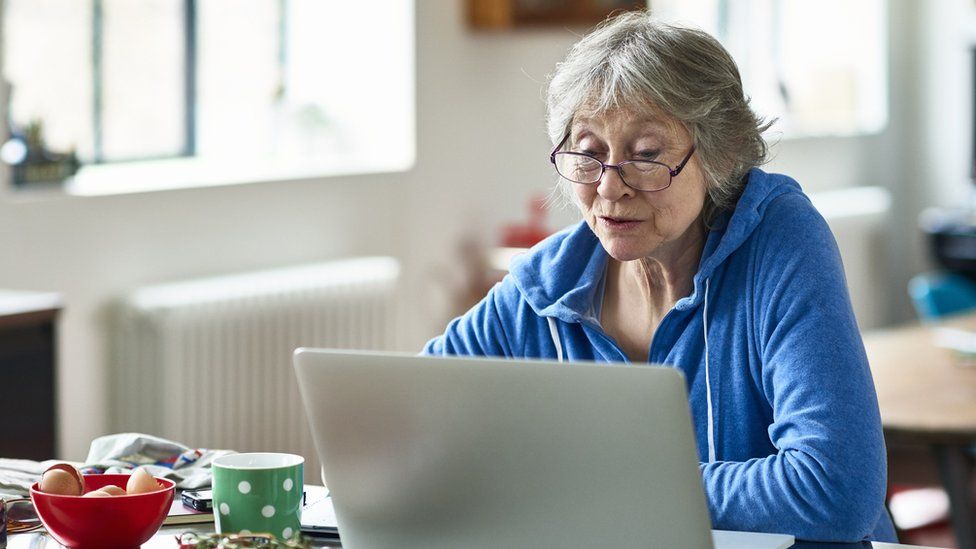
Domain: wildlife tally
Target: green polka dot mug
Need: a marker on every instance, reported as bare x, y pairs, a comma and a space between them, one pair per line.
258, 493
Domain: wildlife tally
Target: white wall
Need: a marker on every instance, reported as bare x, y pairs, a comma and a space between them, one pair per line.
481, 153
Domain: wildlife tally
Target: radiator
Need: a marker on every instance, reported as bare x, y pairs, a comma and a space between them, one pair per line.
208, 362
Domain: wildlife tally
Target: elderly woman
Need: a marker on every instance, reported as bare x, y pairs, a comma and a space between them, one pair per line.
691, 256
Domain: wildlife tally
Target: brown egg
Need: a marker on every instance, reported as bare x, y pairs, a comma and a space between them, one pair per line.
97, 494
62, 479
112, 490
141, 482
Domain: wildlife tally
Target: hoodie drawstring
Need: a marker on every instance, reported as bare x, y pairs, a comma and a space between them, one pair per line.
555, 338
708, 384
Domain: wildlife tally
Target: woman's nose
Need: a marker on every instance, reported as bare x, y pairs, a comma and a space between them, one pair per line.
611, 186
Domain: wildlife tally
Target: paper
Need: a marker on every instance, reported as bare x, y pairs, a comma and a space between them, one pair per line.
956, 339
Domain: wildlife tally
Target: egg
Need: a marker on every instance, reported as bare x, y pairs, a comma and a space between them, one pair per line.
62, 479
98, 494
141, 482
112, 490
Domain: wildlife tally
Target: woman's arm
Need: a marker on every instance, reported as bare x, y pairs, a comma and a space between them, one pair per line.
827, 481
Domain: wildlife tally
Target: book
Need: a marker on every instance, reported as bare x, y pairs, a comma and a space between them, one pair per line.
181, 514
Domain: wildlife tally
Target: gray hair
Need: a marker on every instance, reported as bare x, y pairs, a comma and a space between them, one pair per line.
632, 61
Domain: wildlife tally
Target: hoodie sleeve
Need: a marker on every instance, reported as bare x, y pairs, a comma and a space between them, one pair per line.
827, 480
482, 330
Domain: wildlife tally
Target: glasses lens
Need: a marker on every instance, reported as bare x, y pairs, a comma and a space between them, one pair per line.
578, 168
646, 176
21, 516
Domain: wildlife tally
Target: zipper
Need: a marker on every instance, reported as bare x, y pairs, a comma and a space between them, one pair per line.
598, 331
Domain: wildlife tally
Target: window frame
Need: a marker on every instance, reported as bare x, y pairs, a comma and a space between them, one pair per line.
186, 170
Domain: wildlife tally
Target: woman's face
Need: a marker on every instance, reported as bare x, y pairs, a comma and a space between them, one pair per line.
633, 224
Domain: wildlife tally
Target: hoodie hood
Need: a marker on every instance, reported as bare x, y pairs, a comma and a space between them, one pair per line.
568, 293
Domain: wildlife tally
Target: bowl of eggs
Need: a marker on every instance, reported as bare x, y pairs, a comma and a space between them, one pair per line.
103, 511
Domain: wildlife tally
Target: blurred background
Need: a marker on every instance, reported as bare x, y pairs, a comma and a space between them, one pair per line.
191, 188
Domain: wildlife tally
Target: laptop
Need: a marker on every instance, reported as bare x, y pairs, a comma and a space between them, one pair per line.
475, 452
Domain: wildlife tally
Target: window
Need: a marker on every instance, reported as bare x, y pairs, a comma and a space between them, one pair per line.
819, 67
184, 92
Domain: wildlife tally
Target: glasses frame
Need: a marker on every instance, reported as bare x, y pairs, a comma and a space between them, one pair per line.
672, 172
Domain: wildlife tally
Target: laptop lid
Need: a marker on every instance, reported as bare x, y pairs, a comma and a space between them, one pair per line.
473, 452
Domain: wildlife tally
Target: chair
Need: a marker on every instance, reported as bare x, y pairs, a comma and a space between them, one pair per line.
938, 295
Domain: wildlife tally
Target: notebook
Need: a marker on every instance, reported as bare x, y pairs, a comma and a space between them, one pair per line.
473, 452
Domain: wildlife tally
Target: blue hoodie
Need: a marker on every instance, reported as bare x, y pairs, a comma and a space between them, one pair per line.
785, 413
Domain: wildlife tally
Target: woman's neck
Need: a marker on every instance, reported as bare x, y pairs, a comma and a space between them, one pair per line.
666, 276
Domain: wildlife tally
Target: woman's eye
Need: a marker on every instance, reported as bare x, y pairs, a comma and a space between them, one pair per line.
647, 155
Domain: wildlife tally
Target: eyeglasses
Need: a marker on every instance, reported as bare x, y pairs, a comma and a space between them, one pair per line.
21, 516
640, 175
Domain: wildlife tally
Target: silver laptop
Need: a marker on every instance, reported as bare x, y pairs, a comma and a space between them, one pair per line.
472, 452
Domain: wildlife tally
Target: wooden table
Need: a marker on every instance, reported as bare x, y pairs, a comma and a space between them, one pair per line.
927, 397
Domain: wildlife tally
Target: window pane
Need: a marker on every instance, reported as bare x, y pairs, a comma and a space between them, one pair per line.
142, 78
813, 85
277, 81
48, 64
358, 106
835, 85
238, 77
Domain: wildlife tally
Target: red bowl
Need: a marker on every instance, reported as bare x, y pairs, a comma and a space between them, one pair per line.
104, 522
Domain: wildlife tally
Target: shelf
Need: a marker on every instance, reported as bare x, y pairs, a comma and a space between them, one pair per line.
510, 14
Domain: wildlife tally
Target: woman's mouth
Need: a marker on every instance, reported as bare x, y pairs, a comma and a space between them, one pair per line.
618, 223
